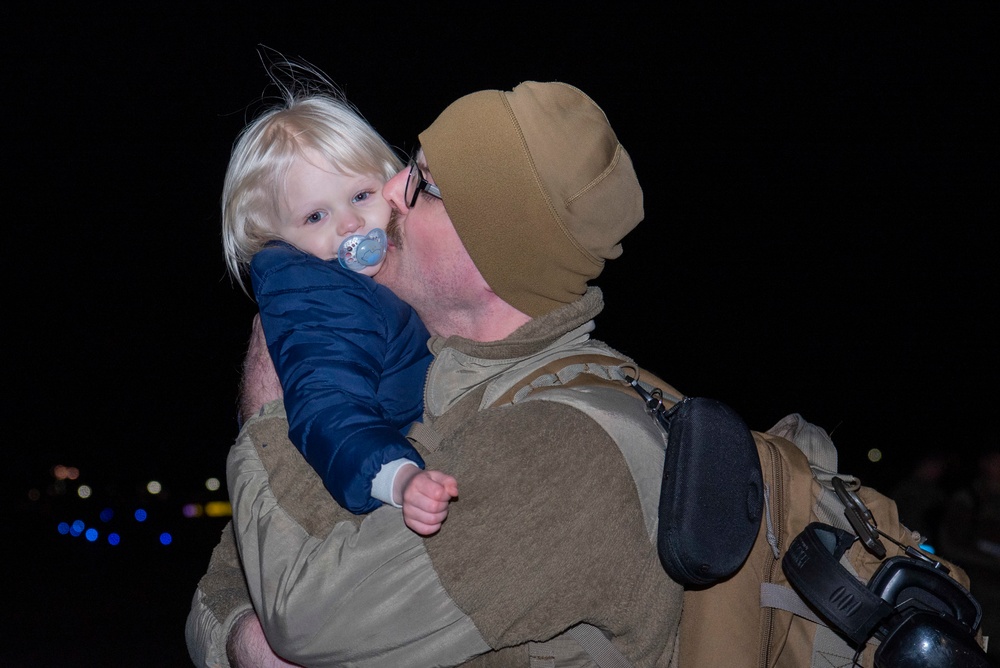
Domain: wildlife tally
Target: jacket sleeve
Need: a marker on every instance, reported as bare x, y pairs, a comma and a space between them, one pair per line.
328, 336
331, 588
221, 598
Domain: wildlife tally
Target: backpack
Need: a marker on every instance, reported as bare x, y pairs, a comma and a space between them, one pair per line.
756, 618
750, 615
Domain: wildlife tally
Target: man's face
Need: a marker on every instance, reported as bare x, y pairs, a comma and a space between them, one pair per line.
428, 266
321, 207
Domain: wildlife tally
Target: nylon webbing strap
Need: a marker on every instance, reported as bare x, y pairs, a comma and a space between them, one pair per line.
829, 649
784, 598
583, 370
599, 647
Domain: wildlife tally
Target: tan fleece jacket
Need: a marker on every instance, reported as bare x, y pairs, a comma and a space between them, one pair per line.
554, 526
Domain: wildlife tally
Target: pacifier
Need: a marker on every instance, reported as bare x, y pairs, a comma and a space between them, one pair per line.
358, 252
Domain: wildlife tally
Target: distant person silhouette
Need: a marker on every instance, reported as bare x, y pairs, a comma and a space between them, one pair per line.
921, 497
970, 530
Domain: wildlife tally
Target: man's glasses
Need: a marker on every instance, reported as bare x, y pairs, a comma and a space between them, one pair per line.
415, 182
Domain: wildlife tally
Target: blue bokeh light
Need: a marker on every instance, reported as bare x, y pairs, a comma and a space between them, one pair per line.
114, 538
166, 538
63, 528
107, 514
91, 534
76, 528
140, 515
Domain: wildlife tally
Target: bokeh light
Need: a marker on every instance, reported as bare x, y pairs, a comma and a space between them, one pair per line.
107, 514
76, 528
154, 487
84, 491
192, 510
61, 472
114, 538
91, 534
140, 515
874, 455
63, 528
218, 509
212, 484
166, 538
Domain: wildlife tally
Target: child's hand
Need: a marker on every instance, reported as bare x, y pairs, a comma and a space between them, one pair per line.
426, 495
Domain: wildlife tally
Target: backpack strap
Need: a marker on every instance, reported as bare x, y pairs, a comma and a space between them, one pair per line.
599, 647
587, 369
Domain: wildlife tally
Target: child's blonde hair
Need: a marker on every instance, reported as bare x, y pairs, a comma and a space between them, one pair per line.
323, 121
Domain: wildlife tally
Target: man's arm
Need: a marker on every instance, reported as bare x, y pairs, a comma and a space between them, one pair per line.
222, 626
247, 646
332, 588
259, 384
306, 559
335, 589
220, 605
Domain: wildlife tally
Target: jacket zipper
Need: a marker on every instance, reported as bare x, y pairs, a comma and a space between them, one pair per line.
777, 513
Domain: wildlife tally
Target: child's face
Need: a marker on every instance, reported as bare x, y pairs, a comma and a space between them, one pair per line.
321, 208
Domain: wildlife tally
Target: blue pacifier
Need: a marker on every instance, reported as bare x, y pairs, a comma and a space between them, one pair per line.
358, 252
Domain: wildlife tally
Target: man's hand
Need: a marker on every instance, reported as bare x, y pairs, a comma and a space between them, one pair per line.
247, 647
426, 495
260, 382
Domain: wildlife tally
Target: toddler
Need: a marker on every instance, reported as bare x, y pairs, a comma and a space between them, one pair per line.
303, 215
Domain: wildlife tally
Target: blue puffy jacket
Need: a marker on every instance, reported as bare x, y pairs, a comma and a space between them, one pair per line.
352, 359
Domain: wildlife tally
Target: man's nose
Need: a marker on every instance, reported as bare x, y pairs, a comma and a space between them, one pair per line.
394, 190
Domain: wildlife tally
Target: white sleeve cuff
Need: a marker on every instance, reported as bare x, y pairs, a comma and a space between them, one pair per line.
385, 479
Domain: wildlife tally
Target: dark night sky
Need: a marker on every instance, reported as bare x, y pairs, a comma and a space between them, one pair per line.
820, 188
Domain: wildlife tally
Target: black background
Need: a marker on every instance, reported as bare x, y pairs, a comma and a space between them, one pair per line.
821, 203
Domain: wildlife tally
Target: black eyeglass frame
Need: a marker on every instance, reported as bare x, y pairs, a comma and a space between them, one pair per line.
421, 184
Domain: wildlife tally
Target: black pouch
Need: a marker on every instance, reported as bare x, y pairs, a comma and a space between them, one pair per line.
712, 494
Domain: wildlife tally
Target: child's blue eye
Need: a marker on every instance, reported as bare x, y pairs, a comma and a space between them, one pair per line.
362, 196
315, 217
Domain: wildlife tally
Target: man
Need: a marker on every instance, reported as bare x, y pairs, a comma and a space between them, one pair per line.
512, 205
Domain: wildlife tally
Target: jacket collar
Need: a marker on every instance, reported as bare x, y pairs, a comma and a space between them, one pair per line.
461, 364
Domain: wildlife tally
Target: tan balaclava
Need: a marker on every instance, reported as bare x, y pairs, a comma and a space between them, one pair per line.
538, 188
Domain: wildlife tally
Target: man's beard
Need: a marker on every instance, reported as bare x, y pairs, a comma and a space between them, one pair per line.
392, 230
